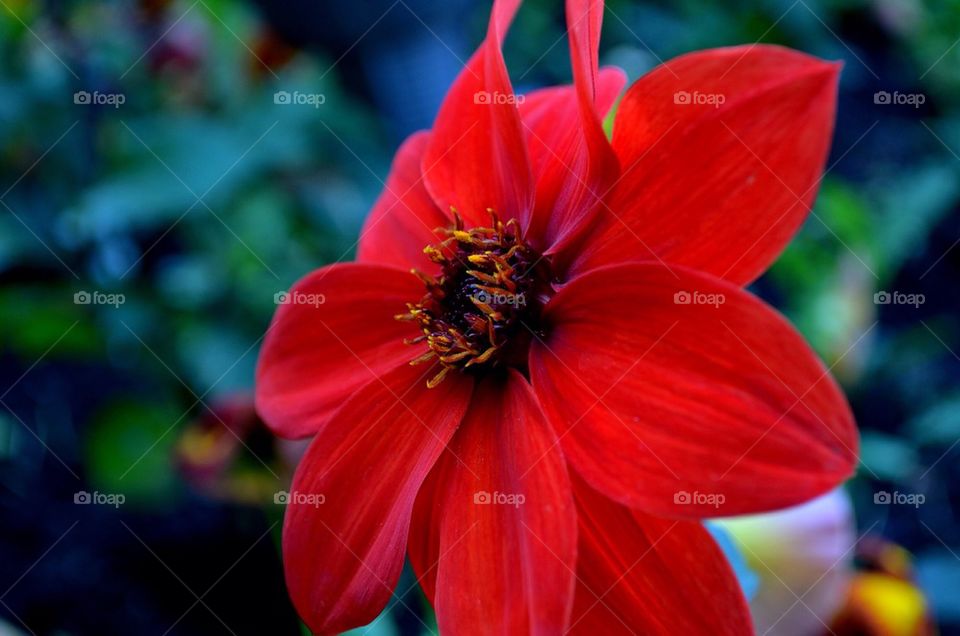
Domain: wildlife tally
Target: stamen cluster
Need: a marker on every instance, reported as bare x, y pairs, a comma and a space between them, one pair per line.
479, 309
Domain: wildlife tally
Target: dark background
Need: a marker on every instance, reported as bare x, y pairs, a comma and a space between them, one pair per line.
199, 197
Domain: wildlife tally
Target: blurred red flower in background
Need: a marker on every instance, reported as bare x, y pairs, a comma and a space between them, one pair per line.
228, 453
599, 380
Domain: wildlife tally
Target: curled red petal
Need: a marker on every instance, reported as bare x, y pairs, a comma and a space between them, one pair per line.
476, 159
590, 163
563, 170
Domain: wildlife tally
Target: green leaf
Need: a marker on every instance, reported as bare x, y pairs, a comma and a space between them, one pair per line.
128, 450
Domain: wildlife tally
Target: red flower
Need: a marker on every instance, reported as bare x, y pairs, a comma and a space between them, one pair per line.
600, 378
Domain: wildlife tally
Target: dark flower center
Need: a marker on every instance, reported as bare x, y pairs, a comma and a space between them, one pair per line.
483, 308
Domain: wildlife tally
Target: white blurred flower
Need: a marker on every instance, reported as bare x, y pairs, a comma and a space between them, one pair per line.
804, 553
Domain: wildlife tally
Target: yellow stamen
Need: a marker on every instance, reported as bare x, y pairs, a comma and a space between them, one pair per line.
470, 310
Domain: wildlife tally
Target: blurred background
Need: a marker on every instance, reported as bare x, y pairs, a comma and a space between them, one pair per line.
167, 167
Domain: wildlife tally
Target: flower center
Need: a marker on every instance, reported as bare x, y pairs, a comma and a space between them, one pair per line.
482, 309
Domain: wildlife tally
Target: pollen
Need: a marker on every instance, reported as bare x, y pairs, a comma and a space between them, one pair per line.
478, 312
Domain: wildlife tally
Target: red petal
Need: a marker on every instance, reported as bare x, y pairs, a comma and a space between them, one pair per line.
720, 188
316, 356
403, 220
639, 574
587, 164
688, 409
423, 548
343, 556
476, 158
552, 121
584, 20
506, 566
